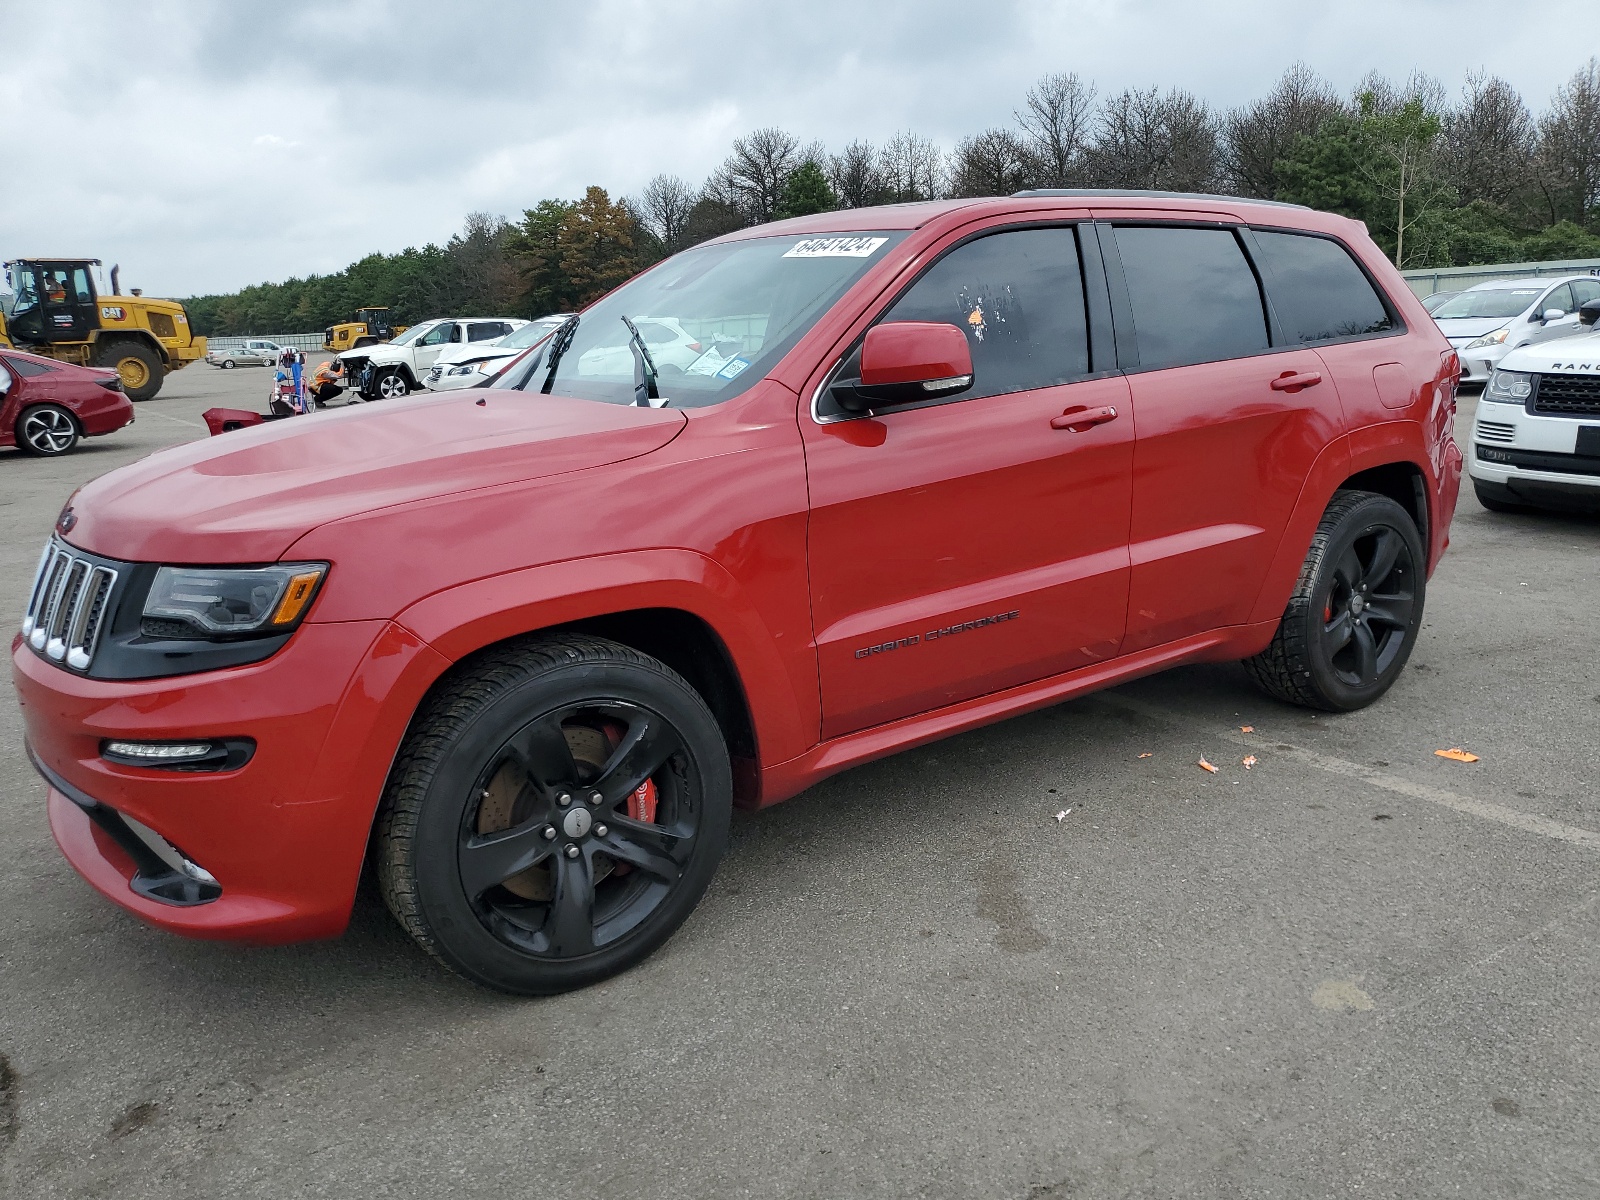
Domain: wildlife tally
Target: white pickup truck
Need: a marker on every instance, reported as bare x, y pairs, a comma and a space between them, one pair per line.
391, 369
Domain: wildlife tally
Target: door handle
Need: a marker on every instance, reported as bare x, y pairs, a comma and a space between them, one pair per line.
1293, 381
1083, 417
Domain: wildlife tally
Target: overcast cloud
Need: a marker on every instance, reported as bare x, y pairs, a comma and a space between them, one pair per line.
206, 146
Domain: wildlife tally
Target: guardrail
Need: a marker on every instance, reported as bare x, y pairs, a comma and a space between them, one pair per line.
1429, 280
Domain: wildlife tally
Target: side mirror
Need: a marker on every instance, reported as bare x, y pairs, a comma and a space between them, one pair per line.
907, 361
1589, 313
1553, 314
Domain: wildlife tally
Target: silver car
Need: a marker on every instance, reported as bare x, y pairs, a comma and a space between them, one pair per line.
1489, 321
255, 352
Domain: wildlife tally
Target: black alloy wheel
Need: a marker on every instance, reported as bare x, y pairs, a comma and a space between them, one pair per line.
46, 430
557, 810
1348, 630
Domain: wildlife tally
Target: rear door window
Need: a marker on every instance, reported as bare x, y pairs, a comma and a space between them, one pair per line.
1018, 296
1318, 291
1585, 290
1194, 296
1560, 297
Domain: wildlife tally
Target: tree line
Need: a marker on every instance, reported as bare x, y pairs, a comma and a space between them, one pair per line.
1439, 181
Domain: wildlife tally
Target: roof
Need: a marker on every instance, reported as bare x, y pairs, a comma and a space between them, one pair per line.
26, 258
1148, 194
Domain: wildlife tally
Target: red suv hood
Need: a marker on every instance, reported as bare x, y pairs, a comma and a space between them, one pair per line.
247, 495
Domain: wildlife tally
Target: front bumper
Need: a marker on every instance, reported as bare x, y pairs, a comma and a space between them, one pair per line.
282, 836
1535, 457
1477, 365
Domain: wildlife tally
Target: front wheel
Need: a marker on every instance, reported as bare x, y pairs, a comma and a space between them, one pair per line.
137, 364
555, 813
1355, 613
46, 430
392, 386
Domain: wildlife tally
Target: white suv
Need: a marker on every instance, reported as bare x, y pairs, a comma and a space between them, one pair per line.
476, 364
1536, 434
1487, 322
391, 369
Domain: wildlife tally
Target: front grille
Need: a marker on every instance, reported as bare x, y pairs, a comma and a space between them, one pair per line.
1494, 431
67, 607
1567, 396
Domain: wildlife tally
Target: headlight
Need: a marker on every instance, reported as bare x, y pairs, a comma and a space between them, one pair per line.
1509, 387
464, 369
197, 602
1497, 338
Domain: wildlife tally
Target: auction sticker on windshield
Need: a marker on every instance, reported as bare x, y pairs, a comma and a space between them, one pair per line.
835, 247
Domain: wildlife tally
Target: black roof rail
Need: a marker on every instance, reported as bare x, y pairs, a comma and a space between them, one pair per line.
1147, 194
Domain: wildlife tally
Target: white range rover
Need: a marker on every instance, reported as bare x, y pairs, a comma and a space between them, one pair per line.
1536, 435
390, 369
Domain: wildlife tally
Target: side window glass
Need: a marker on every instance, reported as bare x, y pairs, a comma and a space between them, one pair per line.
1194, 297
30, 369
80, 285
437, 335
1018, 296
1560, 297
1319, 292
1584, 290
482, 331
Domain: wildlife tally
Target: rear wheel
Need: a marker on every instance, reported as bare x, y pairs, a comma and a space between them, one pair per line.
555, 813
227, 364
137, 364
1354, 616
391, 385
46, 430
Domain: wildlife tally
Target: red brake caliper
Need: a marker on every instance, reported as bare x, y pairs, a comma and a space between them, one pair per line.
642, 803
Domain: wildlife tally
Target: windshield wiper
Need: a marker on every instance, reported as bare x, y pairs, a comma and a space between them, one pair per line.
644, 370
559, 341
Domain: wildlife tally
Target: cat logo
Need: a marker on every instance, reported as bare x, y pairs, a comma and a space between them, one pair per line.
112, 312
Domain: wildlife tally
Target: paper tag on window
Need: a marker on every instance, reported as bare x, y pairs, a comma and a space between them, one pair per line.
835, 247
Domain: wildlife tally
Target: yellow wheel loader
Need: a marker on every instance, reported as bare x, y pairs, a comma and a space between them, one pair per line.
57, 311
370, 327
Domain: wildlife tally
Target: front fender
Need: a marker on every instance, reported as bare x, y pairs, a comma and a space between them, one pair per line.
463, 619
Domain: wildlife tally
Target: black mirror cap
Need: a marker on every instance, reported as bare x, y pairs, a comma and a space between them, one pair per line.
850, 396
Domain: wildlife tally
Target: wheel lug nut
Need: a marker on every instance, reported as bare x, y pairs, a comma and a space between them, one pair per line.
572, 852
548, 833
563, 800
600, 831
595, 797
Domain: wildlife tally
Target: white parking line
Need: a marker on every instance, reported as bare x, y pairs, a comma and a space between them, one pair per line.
1483, 809
150, 412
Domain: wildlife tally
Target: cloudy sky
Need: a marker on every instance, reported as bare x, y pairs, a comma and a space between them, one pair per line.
209, 145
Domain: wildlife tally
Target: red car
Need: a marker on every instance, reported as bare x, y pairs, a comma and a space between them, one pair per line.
933, 465
47, 405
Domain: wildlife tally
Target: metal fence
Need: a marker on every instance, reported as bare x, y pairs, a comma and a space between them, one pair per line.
1457, 279
300, 341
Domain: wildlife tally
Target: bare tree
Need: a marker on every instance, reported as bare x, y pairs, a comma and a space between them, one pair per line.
1055, 124
754, 174
1386, 98
1257, 136
1406, 169
479, 274
1147, 140
992, 163
856, 175
663, 206
1489, 140
1569, 147
913, 169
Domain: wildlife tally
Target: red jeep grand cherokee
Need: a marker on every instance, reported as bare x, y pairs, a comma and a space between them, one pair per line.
919, 469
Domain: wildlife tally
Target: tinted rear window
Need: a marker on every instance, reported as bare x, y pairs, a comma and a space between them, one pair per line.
1319, 292
1194, 297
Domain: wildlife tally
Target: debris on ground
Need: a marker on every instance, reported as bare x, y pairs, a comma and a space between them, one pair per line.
1249, 761
1205, 766
1247, 729
1146, 754
1457, 754
1062, 815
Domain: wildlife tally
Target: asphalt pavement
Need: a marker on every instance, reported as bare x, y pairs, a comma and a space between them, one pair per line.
1053, 958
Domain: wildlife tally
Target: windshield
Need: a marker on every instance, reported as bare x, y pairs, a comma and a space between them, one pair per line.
527, 335
715, 318
1498, 303
412, 334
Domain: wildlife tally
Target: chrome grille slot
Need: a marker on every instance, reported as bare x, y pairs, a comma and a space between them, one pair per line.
67, 608
1495, 431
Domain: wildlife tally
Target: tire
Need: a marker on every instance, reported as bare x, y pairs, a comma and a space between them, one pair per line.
1356, 610
391, 385
485, 867
1499, 499
227, 364
47, 431
364, 341
139, 366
